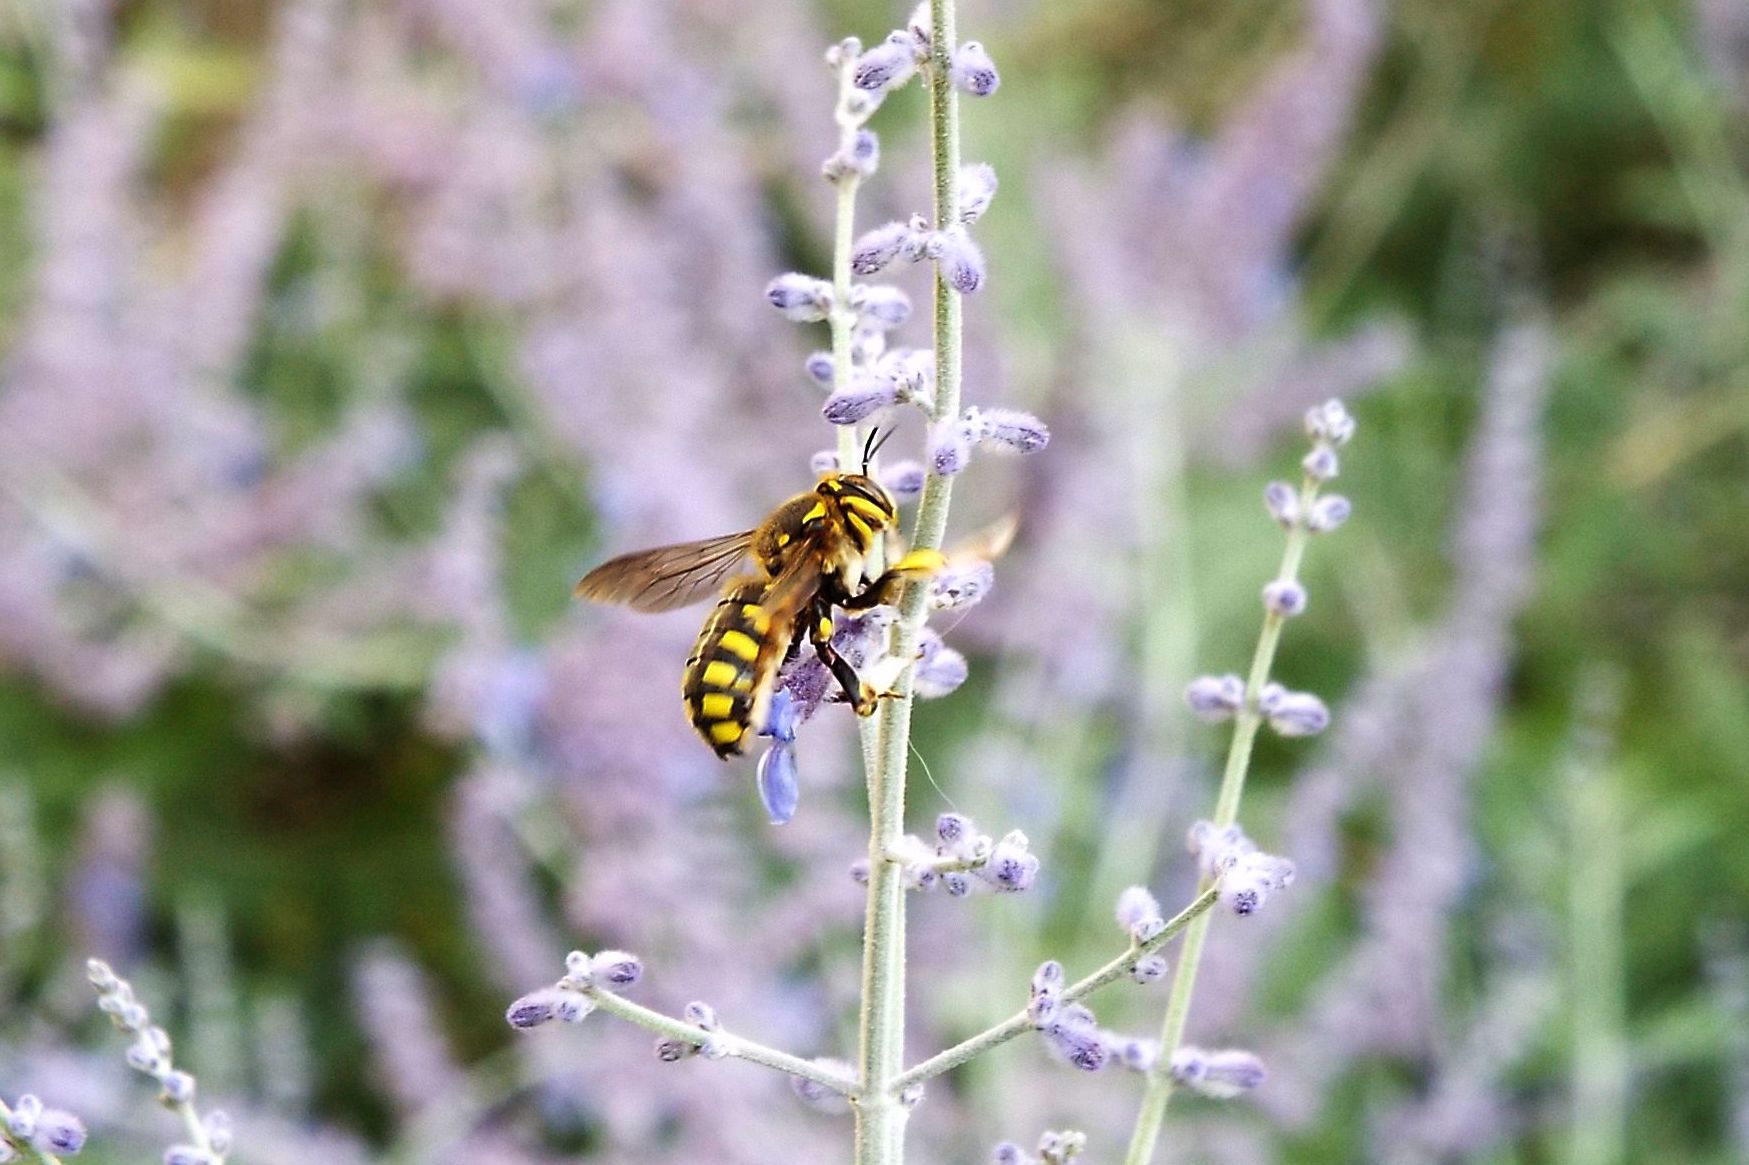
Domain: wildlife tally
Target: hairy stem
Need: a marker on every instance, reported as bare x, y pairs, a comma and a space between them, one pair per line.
1246, 724
1019, 1024
737, 1046
880, 1114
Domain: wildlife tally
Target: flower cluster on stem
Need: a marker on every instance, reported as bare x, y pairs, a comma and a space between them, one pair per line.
209, 1136
1231, 867
33, 1132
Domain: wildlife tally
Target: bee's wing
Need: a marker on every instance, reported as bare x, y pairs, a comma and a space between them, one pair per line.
666, 577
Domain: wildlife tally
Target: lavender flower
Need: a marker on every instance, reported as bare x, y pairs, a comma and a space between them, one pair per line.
1221, 1074
150, 1054
960, 260
977, 189
1011, 431
1139, 914
884, 308
777, 776
950, 444
879, 247
903, 479
1293, 713
1284, 597
889, 64
1215, 698
1328, 513
801, 298
972, 70
863, 399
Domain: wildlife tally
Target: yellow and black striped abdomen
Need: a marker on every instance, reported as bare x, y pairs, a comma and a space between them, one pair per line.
728, 679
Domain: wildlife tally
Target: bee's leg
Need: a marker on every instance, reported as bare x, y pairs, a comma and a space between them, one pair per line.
795, 644
885, 589
819, 629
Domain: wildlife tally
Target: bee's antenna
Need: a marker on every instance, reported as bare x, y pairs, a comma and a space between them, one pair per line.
869, 447
873, 446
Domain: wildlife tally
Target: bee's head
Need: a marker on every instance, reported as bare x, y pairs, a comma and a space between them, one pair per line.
861, 495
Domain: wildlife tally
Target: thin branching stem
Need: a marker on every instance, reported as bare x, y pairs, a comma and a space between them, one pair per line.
1019, 1023
739, 1047
1249, 719
880, 1114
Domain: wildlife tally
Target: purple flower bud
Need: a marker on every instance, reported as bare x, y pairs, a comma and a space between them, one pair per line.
1329, 423
1080, 1047
939, 670
1248, 881
1008, 1153
879, 247
1139, 1055
671, 1051
178, 1087
1060, 1148
1296, 714
861, 159
956, 884
921, 242
1321, 463
572, 1007
616, 968
859, 871
820, 367
962, 263
1042, 1010
1012, 431
950, 445
143, 1059
1283, 503
1134, 907
972, 71
1215, 698
955, 829
958, 586
888, 65
701, 1015
864, 398
884, 307
816, 1095
1222, 1074
912, 373
1328, 513
21, 1121
1048, 978
533, 1009
1216, 848
1284, 597
1011, 867
977, 188
779, 788
577, 969
59, 1131
188, 1155
1149, 969
219, 1132
903, 479
799, 297
847, 49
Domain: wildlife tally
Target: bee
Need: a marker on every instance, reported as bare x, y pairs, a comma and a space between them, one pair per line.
819, 550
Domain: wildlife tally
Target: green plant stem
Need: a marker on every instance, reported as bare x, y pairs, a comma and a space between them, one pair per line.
1019, 1023
1249, 719
737, 1046
880, 1113
1598, 1130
